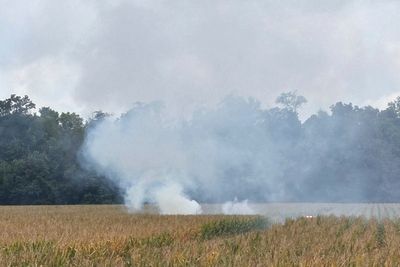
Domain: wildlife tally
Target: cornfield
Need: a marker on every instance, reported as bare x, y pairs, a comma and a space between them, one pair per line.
110, 236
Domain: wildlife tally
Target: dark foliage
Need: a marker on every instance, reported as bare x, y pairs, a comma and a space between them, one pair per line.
39, 158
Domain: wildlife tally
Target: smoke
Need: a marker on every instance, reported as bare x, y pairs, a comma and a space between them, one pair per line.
236, 207
86, 55
238, 153
216, 155
172, 200
141, 152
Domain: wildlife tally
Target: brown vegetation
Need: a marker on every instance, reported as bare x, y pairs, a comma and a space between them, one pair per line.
109, 236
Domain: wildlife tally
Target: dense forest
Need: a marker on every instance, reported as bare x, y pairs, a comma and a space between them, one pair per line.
39, 157
349, 154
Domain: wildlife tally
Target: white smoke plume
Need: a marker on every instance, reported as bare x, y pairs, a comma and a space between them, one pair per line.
235, 150
214, 156
171, 200
142, 153
236, 207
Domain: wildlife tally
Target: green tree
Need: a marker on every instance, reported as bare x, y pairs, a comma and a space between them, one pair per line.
39, 158
16, 105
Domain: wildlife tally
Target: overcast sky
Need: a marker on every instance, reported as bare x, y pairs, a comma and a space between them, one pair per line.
87, 55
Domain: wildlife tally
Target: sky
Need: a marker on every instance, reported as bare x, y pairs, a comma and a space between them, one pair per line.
89, 55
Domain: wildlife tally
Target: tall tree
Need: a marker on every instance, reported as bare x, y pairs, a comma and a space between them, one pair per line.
291, 101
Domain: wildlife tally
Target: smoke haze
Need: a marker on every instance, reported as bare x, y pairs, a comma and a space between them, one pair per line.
219, 154
239, 152
197, 144
90, 55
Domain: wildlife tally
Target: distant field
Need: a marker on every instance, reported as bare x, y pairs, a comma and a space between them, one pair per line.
280, 211
109, 236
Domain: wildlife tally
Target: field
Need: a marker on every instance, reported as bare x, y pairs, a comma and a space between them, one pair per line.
109, 236
278, 212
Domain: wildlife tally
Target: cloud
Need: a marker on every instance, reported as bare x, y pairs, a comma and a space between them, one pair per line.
189, 53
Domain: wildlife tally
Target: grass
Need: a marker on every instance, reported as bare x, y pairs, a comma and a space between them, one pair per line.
108, 236
232, 226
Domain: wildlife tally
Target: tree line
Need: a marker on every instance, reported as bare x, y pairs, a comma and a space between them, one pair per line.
39, 157
348, 154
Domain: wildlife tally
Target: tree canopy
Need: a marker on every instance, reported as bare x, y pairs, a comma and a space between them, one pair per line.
348, 154
39, 158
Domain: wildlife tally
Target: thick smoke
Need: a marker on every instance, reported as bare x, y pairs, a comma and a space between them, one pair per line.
238, 152
217, 155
